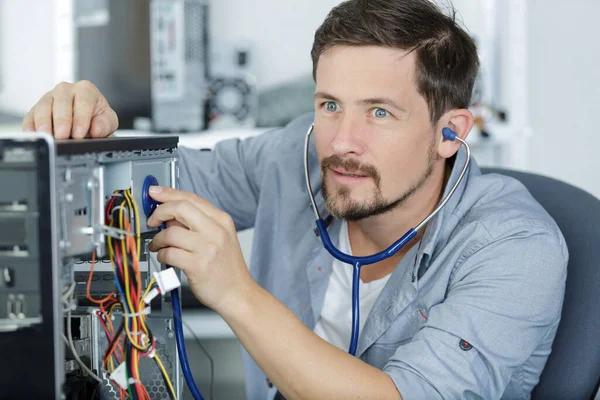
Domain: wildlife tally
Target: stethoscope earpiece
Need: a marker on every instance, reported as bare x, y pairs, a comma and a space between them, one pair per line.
448, 134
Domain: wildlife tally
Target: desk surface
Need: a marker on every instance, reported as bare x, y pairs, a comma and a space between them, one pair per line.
206, 324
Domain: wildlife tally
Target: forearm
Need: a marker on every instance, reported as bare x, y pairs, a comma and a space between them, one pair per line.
298, 362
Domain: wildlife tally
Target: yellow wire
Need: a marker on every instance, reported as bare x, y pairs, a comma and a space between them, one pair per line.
135, 363
137, 220
125, 264
135, 252
112, 258
147, 291
127, 285
166, 376
111, 366
133, 206
110, 311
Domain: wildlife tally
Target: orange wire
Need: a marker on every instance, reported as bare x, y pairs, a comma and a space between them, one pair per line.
132, 248
89, 283
100, 302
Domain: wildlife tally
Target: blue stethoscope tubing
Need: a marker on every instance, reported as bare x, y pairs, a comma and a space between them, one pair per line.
358, 262
149, 205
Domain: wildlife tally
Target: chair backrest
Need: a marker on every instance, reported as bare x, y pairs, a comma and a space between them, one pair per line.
573, 368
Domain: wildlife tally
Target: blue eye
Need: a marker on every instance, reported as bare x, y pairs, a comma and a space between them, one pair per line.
331, 106
380, 113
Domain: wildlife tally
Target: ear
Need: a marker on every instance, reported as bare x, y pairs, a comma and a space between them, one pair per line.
461, 122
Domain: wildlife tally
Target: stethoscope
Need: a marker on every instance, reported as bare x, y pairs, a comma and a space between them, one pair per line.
358, 262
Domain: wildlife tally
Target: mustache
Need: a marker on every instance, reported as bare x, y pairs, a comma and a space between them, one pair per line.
351, 166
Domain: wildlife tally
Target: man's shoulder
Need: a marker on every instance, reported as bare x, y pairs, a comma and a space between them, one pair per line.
290, 137
503, 208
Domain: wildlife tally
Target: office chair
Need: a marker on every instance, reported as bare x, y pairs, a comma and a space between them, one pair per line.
573, 367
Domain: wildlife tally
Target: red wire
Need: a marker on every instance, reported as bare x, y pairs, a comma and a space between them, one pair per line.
107, 218
110, 339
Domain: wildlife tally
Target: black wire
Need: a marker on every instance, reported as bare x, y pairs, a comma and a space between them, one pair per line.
210, 359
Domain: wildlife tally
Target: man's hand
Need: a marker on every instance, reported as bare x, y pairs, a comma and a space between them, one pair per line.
72, 110
200, 240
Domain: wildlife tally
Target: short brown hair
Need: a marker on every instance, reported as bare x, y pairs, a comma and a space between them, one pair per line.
446, 56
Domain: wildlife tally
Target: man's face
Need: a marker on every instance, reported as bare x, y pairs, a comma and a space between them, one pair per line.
373, 135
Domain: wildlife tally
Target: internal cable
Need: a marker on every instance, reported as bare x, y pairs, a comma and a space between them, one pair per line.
133, 332
69, 341
165, 376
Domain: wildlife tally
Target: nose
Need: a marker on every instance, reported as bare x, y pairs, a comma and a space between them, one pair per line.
348, 138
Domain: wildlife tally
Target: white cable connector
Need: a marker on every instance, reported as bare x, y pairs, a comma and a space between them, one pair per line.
119, 376
151, 295
167, 280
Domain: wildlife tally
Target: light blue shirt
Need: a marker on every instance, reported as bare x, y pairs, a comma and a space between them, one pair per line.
470, 312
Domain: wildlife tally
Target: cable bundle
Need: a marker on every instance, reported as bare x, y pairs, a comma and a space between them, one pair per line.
132, 339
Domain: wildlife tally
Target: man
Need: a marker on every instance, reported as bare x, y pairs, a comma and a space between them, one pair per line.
468, 309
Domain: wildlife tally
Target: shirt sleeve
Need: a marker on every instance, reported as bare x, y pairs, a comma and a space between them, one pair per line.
230, 176
502, 301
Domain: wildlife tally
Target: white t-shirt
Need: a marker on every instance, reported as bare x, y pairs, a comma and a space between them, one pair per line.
335, 323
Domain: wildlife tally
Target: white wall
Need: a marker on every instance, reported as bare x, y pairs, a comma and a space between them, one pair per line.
565, 90
27, 52
283, 31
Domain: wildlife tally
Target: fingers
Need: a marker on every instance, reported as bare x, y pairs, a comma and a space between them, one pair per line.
174, 236
28, 124
72, 110
174, 223
42, 114
185, 213
175, 257
104, 123
84, 105
62, 110
166, 195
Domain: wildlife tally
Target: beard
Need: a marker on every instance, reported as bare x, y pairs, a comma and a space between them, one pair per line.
342, 206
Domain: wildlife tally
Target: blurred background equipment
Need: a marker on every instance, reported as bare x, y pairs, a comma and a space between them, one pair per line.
108, 43
148, 57
233, 91
178, 64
